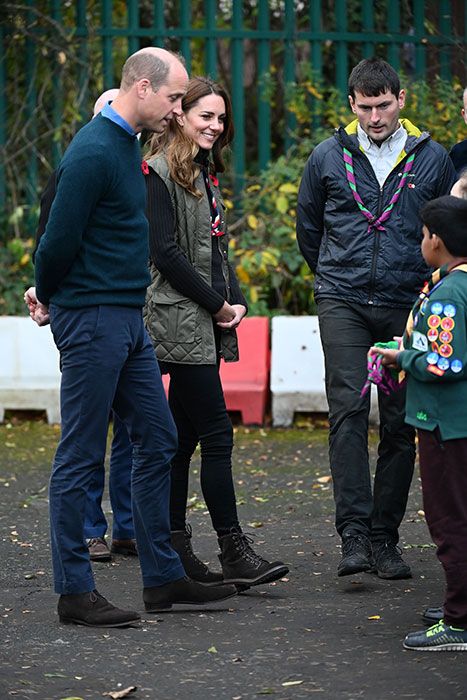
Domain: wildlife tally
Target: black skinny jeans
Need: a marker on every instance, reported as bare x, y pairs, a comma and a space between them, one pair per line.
198, 407
347, 332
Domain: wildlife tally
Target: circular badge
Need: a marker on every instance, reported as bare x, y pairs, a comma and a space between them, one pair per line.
437, 308
445, 336
456, 366
449, 310
432, 358
448, 323
435, 347
433, 321
445, 350
443, 363
432, 335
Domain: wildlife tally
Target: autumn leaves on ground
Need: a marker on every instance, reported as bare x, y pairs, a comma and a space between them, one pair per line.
309, 633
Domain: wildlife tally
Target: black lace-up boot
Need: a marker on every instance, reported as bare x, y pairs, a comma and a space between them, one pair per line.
194, 567
388, 561
242, 566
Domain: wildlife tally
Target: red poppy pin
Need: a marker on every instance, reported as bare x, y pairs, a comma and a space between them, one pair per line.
145, 168
214, 180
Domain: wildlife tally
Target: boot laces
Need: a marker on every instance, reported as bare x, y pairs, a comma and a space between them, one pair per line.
189, 549
243, 543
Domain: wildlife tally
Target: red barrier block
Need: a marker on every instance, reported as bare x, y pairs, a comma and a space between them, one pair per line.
246, 383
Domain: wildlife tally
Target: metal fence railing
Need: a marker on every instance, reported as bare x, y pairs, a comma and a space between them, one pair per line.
56, 57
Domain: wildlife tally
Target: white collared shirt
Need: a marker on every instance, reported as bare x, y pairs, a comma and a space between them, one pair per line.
382, 158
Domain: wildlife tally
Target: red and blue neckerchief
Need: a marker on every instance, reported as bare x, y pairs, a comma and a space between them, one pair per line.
213, 206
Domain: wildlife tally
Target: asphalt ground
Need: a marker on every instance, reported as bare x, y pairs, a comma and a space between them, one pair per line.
308, 635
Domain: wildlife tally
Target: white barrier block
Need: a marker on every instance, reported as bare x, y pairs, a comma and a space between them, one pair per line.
29, 368
297, 370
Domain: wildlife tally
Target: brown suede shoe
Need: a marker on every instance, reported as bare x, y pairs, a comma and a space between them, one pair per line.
127, 547
98, 549
93, 610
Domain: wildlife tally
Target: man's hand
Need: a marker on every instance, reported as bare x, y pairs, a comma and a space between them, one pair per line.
240, 311
37, 311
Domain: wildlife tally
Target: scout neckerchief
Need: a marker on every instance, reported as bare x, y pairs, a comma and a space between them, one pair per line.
373, 221
213, 206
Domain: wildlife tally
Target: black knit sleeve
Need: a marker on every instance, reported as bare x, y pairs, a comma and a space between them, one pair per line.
236, 294
166, 255
47, 199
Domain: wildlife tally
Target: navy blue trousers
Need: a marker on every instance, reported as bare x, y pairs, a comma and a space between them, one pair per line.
107, 362
95, 522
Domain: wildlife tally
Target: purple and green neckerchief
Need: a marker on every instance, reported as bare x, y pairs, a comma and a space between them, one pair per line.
373, 222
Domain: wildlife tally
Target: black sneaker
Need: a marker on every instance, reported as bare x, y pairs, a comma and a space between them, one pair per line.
356, 554
388, 562
242, 566
439, 637
93, 610
432, 615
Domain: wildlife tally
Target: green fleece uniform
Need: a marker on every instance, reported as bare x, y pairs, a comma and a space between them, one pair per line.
436, 360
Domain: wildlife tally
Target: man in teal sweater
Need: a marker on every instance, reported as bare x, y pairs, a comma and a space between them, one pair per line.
92, 274
434, 358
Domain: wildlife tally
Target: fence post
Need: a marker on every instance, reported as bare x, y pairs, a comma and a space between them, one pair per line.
210, 58
342, 61
238, 99
264, 108
2, 120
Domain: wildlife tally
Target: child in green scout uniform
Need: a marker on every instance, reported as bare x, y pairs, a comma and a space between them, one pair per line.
433, 356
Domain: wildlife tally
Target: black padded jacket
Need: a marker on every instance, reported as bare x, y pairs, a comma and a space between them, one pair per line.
384, 268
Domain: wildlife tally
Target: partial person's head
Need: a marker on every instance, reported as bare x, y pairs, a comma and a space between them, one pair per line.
459, 188
444, 229
376, 98
153, 83
464, 108
107, 96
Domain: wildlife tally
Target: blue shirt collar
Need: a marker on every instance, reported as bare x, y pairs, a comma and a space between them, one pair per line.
109, 112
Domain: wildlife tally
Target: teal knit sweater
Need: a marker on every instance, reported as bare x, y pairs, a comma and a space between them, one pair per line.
95, 246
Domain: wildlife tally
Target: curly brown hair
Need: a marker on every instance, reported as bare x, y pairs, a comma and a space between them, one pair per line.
180, 150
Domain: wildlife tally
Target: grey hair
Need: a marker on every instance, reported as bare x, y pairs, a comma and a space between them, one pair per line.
144, 65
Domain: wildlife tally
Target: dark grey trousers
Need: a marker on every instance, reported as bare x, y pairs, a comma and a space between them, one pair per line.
347, 332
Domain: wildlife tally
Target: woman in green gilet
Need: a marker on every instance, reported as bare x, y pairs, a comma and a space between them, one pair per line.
193, 307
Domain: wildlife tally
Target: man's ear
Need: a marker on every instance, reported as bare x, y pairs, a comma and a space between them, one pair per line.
143, 86
352, 104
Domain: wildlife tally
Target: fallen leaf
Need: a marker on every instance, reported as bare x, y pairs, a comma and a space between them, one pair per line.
116, 694
287, 683
324, 479
375, 617
212, 650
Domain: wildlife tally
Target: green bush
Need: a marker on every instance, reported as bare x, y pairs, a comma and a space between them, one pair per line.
272, 272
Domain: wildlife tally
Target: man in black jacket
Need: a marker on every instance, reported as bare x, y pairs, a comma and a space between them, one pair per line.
359, 231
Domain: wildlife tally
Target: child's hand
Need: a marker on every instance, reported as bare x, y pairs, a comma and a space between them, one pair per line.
389, 356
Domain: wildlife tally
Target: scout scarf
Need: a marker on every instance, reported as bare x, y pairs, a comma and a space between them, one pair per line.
373, 221
213, 206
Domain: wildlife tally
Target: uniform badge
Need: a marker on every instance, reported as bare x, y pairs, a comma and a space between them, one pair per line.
443, 363
435, 370
445, 350
456, 366
434, 321
448, 323
419, 341
445, 336
449, 310
432, 334
432, 358
437, 308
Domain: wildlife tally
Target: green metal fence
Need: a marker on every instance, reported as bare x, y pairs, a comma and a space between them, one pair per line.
57, 56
